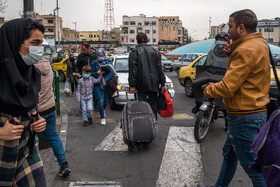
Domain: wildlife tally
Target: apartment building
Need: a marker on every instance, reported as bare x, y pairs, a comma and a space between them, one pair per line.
89, 35
132, 25
170, 29
50, 23
270, 29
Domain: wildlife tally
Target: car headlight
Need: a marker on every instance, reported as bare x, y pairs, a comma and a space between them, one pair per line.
273, 83
119, 87
169, 85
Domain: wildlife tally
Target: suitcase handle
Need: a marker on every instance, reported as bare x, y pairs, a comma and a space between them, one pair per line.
135, 95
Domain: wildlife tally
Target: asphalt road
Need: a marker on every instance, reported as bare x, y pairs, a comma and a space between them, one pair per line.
96, 153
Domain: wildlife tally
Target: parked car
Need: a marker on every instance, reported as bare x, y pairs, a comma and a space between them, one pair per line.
187, 74
61, 67
185, 60
120, 63
166, 64
276, 59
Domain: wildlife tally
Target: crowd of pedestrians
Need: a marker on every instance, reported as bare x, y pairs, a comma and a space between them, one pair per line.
26, 91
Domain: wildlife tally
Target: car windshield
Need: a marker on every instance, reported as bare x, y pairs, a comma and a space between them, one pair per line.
121, 65
163, 57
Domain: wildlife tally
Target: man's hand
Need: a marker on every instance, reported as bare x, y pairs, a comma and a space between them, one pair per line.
163, 89
79, 101
228, 48
39, 125
132, 90
10, 131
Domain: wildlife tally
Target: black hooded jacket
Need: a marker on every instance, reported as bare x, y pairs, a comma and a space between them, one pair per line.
84, 59
19, 83
145, 69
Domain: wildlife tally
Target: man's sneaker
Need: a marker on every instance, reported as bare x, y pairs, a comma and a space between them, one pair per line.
85, 124
90, 120
103, 121
64, 170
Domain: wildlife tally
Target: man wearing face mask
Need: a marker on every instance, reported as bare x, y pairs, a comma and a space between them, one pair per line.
69, 73
85, 58
215, 58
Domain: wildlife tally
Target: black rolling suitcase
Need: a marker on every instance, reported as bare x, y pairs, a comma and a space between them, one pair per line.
138, 123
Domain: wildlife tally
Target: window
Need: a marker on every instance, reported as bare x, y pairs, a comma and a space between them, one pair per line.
179, 32
200, 62
132, 31
125, 31
90, 36
139, 23
268, 30
147, 31
132, 23
125, 23
50, 20
81, 35
260, 30
50, 30
154, 31
179, 38
154, 40
147, 23
131, 40
121, 65
94, 36
154, 22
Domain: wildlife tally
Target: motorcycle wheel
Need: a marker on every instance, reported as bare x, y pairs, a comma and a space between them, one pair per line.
201, 126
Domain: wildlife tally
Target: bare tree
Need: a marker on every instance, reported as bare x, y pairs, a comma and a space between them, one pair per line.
3, 5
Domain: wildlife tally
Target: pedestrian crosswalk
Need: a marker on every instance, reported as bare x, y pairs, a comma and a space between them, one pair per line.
181, 163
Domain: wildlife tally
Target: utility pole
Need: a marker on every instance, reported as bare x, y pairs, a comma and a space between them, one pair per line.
75, 23
58, 36
28, 9
209, 27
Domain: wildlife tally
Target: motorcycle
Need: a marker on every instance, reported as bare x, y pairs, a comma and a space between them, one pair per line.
208, 112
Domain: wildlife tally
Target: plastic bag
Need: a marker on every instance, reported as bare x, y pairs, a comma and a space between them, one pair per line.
67, 87
169, 110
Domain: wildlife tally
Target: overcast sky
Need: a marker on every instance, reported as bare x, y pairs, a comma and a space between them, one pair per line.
194, 14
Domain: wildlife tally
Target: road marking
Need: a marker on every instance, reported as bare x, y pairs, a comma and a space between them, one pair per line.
181, 163
182, 116
113, 142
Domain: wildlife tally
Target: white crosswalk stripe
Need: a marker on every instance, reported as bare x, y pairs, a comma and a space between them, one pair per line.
181, 163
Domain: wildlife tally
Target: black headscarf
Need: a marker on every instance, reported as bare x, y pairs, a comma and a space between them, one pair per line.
19, 83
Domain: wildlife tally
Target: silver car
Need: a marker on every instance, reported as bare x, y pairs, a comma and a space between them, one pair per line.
120, 63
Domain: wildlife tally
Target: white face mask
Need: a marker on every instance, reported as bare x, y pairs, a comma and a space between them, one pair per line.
34, 56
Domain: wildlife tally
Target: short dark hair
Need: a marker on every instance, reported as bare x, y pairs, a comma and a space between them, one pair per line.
30, 26
86, 44
246, 17
141, 38
87, 69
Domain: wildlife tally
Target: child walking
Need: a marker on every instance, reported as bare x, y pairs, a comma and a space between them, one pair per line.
85, 91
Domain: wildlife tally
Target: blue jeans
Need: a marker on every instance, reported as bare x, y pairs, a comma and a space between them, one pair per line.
53, 138
86, 108
101, 106
241, 133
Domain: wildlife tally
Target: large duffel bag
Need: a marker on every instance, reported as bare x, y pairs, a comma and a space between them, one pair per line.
138, 123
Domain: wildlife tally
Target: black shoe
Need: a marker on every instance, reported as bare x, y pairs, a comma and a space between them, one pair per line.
85, 124
64, 170
90, 120
202, 185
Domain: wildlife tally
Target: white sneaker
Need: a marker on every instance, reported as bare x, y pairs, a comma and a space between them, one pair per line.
103, 121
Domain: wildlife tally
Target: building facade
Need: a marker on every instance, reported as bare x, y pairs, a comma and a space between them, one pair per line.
89, 36
68, 34
50, 23
270, 29
170, 29
112, 35
135, 24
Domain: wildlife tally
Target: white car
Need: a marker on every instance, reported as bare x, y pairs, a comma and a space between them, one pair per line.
120, 63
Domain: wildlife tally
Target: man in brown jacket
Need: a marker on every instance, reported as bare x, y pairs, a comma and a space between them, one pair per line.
244, 88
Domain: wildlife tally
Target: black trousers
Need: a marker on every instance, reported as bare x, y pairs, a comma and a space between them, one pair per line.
151, 98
